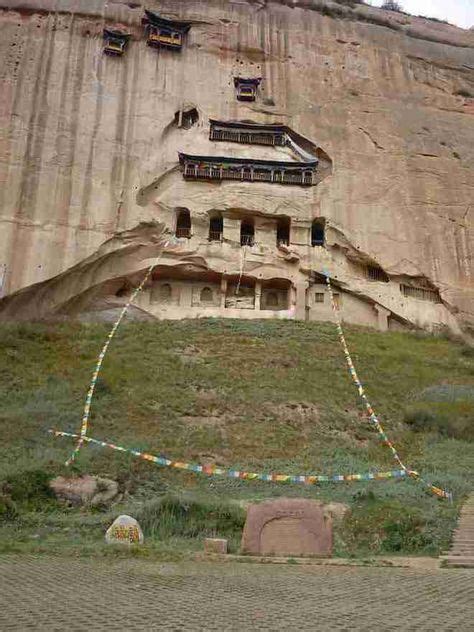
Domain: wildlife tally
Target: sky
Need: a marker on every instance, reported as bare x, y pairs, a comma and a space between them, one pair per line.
459, 12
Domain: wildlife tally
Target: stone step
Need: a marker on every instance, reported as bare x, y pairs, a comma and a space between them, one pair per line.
463, 529
461, 562
461, 552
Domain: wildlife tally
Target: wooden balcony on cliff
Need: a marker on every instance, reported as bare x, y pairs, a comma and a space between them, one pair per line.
248, 133
164, 33
115, 42
247, 170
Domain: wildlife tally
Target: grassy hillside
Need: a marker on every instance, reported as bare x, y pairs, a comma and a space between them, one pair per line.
272, 396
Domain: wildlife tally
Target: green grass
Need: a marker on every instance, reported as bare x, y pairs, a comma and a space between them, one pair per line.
272, 396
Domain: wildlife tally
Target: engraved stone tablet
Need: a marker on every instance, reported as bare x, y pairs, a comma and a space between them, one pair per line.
124, 530
288, 526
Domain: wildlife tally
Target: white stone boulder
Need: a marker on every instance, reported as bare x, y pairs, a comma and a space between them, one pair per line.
124, 530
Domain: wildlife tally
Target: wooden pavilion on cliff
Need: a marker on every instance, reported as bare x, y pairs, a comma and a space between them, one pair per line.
164, 33
247, 169
247, 88
248, 133
115, 42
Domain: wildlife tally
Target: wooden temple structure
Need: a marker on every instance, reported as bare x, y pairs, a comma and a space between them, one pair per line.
247, 88
115, 42
247, 169
248, 133
164, 33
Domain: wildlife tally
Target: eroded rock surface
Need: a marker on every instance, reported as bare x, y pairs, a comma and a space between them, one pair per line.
85, 490
91, 186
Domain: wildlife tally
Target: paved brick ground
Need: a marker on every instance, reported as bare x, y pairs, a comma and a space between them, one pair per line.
62, 594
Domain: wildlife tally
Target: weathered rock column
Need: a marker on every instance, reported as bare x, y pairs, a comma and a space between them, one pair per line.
258, 295
382, 317
223, 291
300, 307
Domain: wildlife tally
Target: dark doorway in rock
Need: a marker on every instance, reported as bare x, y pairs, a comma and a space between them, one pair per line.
186, 118
216, 228
183, 223
283, 231
272, 299
247, 233
317, 232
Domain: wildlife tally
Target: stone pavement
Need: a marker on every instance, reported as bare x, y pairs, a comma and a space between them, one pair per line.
44, 593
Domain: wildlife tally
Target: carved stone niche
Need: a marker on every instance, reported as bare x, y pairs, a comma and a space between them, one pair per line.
288, 526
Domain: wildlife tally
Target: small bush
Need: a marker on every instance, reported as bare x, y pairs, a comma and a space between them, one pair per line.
462, 92
350, 3
387, 526
452, 420
447, 393
391, 5
333, 11
174, 516
8, 509
28, 486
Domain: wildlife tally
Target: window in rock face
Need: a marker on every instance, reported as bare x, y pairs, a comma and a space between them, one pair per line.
247, 233
375, 273
283, 232
317, 232
216, 228
183, 224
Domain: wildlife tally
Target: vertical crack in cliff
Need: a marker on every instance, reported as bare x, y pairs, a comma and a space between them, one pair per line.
88, 176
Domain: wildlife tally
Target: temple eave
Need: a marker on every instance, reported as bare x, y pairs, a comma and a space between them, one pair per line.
157, 20
247, 162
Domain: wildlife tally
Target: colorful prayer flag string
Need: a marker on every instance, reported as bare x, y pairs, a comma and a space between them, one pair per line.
95, 374
214, 470
370, 411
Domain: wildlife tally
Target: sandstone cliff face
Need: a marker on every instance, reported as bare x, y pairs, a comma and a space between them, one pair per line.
88, 158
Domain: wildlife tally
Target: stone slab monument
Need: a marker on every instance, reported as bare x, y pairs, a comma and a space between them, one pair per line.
124, 530
288, 526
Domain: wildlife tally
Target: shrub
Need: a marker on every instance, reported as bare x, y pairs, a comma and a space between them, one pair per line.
350, 3
388, 526
462, 92
28, 486
8, 510
181, 516
453, 420
391, 5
